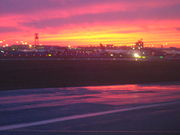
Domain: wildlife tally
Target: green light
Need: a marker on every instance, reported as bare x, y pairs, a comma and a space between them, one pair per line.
161, 57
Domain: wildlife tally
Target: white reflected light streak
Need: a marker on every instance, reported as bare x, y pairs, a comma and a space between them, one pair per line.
74, 117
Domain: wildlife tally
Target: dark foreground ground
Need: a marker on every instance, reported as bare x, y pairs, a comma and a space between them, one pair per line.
20, 74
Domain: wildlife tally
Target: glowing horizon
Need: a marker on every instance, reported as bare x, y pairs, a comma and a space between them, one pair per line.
84, 22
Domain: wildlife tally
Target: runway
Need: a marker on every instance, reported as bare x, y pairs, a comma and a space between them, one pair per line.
128, 109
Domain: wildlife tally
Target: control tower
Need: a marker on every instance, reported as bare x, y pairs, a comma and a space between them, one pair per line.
139, 44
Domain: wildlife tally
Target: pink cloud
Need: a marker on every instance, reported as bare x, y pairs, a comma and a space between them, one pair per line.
63, 18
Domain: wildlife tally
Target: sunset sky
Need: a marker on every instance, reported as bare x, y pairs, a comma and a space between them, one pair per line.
90, 22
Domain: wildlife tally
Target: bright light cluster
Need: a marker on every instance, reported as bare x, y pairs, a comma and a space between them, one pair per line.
136, 55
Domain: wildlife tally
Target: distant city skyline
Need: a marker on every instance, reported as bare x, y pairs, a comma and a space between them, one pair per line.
91, 22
